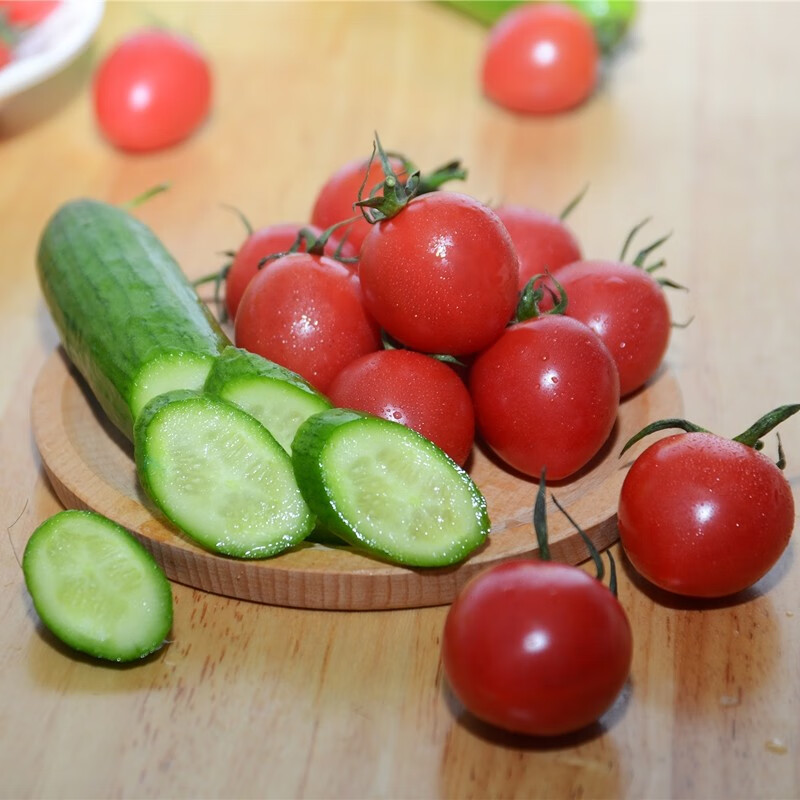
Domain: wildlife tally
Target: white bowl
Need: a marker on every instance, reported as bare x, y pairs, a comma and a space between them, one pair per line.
52, 44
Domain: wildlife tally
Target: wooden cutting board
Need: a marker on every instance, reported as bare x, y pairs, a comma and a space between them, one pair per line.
90, 465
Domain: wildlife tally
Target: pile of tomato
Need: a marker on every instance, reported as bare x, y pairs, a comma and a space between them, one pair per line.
418, 303
430, 308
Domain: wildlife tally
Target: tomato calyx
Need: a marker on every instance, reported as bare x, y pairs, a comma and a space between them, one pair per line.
393, 195
146, 195
640, 260
390, 343
752, 437
540, 528
532, 295
573, 204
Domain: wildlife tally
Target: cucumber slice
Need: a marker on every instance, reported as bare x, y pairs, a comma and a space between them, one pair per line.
219, 475
382, 487
96, 588
166, 372
277, 397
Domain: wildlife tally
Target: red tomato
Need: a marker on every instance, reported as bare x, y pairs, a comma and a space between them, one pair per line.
704, 516
536, 647
546, 394
540, 58
25, 13
414, 389
543, 241
5, 54
265, 242
335, 200
305, 313
441, 275
152, 91
625, 306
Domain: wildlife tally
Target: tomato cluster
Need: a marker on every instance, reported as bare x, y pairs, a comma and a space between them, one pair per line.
406, 264
427, 307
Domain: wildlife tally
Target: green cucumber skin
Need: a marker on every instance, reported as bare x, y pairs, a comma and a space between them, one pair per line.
236, 363
118, 299
98, 649
143, 421
307, 450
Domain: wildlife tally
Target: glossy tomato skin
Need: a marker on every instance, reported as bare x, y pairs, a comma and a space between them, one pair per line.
152, 91
541, 58
627, 309
414, 389
544, 243
336, 197
267, 241
704, 516
305, 313
536, 647
441, 276
546, 394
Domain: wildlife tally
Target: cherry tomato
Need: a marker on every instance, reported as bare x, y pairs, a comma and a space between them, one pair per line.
414, 389
704, 516
546, 394
543, 241
265, 242
305, 313
26, 13
540, 58
335, 200
625, 306
441, 275
152, 91
536, 647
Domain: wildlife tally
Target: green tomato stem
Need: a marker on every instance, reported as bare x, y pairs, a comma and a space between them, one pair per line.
540, 519
761, 427
660, 425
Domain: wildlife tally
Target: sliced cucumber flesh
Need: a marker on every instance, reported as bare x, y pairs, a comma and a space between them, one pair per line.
96, 587
168, 371
382, 486
220, 476
278, 405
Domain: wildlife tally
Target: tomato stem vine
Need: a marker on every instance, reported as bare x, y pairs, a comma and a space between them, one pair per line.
532, 295
540, 527
752, 437
573, 204
395, 194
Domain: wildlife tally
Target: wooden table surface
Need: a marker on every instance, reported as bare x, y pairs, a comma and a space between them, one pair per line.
698, 126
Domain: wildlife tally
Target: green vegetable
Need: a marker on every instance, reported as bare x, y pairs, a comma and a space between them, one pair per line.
128, 318
384, 488
277, 397
145, 343
610, 19
96, 588
219, 475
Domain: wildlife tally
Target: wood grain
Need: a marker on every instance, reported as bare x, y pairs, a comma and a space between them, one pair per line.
696, 126
90, 465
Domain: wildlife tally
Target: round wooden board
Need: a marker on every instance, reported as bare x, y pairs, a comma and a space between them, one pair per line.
90, 465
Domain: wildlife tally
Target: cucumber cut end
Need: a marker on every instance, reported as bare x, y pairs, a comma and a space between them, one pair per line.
281, 407
383, 487
96, 587
220, 476
166, 372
